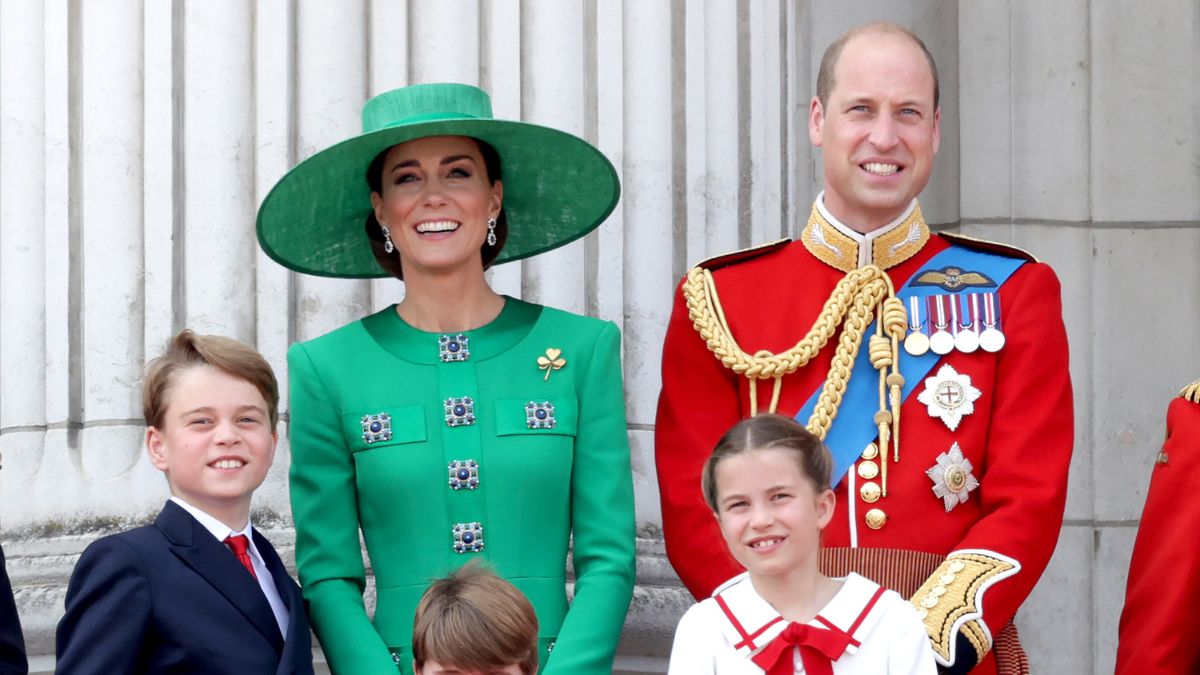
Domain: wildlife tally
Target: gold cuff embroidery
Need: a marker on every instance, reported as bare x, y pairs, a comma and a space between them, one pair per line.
978, 638
954, 593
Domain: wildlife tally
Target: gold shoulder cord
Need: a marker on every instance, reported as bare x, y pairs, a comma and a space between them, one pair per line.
1191, 392
862, 295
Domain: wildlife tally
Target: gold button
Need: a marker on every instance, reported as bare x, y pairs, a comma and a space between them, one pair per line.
929, 602
871, 452
870, 492
876, 518
946, 578
868, 470
957, 566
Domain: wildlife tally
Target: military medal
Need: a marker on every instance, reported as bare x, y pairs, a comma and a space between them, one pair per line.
917, 343
991, 339
941, 342
949, 396
966, 337
952, 478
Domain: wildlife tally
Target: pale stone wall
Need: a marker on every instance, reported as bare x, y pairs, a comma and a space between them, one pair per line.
137, 138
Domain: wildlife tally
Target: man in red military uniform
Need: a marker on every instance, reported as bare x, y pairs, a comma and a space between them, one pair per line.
951, 427
1163, 587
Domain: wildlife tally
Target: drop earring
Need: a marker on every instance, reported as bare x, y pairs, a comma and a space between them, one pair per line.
491, 236
388, 246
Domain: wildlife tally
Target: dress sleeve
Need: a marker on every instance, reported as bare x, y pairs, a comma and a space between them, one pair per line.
601, 520
692, 649
1029, 443
324, 507
108, 611
698, 403
1160, 599
908, 644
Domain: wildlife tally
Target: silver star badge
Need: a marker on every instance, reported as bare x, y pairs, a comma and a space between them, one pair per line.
952, 477
949, 396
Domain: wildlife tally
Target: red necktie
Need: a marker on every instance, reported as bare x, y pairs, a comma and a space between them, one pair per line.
240, 545
819, 648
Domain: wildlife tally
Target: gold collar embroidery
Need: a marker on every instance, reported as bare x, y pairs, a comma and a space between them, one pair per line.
886, 248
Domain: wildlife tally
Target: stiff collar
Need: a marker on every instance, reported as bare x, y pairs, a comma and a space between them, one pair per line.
837, 245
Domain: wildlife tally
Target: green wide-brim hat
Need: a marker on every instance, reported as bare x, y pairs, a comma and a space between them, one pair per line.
557, 187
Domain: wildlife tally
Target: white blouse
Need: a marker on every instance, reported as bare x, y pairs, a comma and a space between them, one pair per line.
721, 635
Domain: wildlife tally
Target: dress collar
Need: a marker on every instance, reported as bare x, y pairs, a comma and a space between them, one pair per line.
753, 622
411, 344
837, 245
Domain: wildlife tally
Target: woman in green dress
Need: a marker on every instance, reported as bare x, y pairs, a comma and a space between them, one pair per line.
459, 424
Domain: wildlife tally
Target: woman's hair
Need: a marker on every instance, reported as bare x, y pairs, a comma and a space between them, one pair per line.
474, 620
188, 350
769, 431
390, 262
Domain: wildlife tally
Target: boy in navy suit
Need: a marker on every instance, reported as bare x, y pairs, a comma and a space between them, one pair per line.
198, 591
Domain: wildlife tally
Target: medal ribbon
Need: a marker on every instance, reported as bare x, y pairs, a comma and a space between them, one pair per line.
855, 426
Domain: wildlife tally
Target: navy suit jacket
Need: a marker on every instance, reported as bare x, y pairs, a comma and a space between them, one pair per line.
170, 598
12, 645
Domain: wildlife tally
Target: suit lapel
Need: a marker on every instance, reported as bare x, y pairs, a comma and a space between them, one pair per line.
198, 549
297, 653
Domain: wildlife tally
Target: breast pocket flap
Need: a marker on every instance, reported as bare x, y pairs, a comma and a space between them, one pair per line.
367, 429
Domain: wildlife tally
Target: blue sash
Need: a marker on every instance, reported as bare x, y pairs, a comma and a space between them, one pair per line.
854, 427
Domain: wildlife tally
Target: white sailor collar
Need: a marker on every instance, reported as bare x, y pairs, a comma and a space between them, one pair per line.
752, 623
839, 246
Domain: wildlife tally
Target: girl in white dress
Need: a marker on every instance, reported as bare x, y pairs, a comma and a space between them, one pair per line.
767, 483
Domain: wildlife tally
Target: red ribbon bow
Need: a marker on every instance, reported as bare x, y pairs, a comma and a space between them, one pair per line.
819, 648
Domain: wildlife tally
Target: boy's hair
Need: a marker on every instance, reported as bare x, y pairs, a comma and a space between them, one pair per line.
474, 620
766, 432
188, 350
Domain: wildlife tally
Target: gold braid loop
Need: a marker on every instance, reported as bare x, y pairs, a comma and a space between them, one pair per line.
893, 322
863, 295
895, 318
880, 351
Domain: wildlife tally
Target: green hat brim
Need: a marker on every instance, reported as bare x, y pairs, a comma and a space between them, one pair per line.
557, 188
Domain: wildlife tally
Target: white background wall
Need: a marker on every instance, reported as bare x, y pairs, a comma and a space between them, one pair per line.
137, 138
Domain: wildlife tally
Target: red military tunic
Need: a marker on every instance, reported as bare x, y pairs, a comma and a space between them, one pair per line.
1164, 587
1018, 439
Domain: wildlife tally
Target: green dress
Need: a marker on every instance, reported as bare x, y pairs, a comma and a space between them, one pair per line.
449, 448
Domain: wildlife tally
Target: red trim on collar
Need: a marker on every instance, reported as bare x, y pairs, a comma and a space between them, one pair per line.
866, 610
747, 638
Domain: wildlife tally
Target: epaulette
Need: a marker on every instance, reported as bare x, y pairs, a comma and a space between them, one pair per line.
989, 246
1191, 392
733, 257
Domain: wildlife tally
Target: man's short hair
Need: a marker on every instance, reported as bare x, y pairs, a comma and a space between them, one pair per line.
474, 620
188, 350
825, 77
